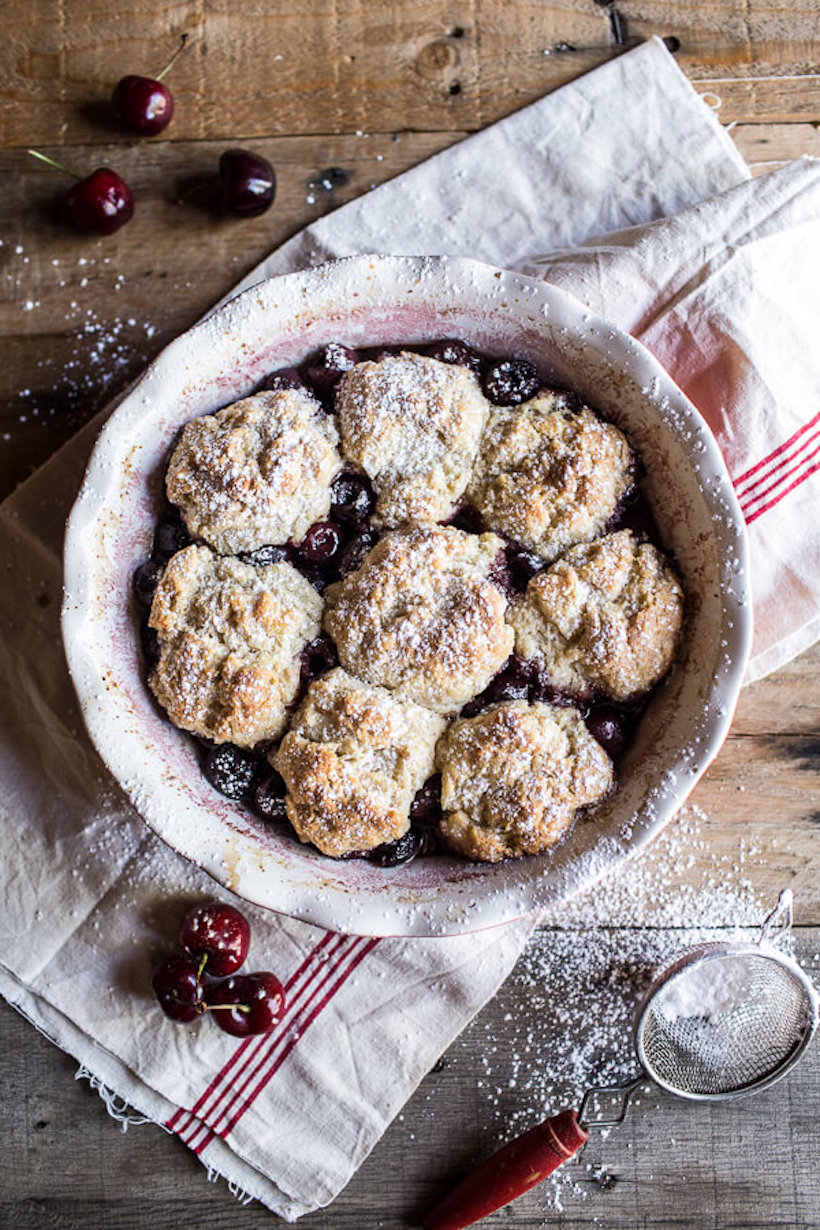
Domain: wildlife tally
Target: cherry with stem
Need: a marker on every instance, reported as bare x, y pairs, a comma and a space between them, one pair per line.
100, 202
145, 105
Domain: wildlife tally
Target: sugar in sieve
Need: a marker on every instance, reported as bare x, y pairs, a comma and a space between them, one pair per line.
723, 1020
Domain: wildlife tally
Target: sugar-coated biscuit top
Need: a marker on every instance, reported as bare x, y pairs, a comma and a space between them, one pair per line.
423, 617
513, 777
352, 761
548, 475
413, 424
230, 639
257, 472
606, 617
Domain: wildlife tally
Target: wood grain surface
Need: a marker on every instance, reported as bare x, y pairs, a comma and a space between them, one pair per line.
375, 87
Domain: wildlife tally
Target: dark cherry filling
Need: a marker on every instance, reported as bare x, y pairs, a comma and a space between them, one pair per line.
453, 350
231, 770
508, 382
268, 798
284, 378
352, 557
334, 547
146, 579
263, 557
324, 369
351, 500
318, 658
171, 534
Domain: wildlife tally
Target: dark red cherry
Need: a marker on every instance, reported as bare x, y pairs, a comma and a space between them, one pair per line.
318, 658
247, 182
508, 382
425, 810
453, 350
145, 581
326, 367
609, 727
284, 378
216, 934
247, 1004
321, 543
177, 987
268, 798
404, 850
523, 565
356, 551
145, 105
352, 499
230, 769
102, 202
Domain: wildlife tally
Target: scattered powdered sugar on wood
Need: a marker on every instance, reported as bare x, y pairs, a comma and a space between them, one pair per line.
579, 982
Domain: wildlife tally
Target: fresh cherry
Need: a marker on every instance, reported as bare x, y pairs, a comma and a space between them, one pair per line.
325, 369
453, 350
508, 382
247, 1004
145, 105
145, 581
230, 769
178, 989
321, 543
216, 936
247, 181
102, 202
352, 499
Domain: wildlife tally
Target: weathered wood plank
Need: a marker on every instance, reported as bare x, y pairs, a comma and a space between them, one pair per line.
682, 1166
323, 67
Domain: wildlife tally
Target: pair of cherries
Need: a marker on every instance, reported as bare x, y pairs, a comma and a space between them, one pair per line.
103, 202
215, 938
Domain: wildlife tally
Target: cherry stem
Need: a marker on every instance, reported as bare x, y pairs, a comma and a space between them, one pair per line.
182, 45
220, 1007
203, 962
57, 166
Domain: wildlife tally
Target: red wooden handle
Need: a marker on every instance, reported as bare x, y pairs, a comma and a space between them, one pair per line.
514, 1169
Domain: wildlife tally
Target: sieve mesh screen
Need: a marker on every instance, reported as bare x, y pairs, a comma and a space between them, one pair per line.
724, 1023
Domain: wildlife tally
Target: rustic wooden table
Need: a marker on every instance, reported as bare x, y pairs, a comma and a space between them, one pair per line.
373, 89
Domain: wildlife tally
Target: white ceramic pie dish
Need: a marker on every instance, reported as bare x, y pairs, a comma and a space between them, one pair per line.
367, 301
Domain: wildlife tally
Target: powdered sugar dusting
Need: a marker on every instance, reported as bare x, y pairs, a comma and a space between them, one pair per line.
583, 975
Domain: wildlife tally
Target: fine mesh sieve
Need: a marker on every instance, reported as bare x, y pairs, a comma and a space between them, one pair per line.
722, 1021
729, 1021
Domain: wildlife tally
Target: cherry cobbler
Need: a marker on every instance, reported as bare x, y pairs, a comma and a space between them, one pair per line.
408, 600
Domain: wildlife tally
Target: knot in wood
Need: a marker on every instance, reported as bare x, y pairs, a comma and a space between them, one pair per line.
436, 59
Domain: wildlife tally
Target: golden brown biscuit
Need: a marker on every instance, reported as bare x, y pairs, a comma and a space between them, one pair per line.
549, 476
607, 617
413, 424
513, 777
352, 761
230, 636
423, 617
257, 472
